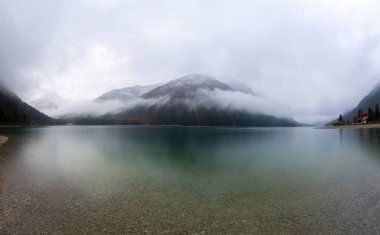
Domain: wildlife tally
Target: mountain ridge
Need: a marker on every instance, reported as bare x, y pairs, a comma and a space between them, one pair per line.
14, 111
126, 93
187, 101
369, 101
46, 102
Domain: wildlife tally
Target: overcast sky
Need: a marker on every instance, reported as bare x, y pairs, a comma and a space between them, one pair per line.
316, 58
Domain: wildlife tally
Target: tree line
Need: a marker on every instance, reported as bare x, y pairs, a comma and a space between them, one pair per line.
13, 111
372, 115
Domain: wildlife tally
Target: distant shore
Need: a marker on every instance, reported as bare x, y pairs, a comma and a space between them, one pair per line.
364, 126
149, 125
16, 126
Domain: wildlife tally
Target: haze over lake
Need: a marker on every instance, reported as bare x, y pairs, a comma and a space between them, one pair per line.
189, 117
120, 179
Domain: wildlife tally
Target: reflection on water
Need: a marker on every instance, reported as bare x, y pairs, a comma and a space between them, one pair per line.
370, 139
189, 180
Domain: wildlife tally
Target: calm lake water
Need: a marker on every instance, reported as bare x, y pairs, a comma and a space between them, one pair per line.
156, 180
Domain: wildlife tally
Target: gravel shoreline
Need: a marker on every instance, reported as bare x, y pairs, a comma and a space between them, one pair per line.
3, 139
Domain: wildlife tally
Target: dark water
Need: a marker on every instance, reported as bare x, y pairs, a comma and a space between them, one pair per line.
190, 180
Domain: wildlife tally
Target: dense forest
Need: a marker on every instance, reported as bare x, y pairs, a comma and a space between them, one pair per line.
371, 116
13, 111
181, 115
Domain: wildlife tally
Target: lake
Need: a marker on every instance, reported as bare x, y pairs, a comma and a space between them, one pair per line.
189, 180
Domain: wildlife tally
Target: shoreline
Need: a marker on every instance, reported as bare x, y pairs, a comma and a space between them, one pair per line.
3, 139
19, 126
150, 125
364, 126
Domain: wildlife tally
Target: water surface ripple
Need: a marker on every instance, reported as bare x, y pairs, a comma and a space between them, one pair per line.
157, 180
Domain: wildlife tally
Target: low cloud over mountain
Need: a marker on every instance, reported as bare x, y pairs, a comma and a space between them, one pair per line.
195, 99
14, 111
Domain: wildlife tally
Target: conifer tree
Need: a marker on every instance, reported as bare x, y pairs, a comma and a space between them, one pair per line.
360, 113
371, 115
340, 118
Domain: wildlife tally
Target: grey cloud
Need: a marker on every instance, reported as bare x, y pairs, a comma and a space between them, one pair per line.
309, 59
26, 27
96, 108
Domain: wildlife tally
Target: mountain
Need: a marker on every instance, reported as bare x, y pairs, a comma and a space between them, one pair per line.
179, 114
239, 86
47, 102
190, 101
369, 101
13, 111
187, 87
126, 94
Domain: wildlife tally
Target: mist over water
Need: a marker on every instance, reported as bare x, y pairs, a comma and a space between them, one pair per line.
175, 179
316, 58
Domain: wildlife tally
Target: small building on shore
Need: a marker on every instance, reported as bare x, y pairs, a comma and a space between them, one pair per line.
362, 120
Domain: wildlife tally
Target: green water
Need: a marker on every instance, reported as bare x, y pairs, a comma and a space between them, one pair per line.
159, 180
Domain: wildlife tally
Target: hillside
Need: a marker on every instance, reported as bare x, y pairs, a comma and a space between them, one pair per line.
369, 101
13, 111
187, 87
47, 102
125, 94
189, 101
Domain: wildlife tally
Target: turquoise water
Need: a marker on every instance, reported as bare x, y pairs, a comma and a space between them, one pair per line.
114, 179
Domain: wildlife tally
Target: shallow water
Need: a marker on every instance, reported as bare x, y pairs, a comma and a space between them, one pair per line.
114, 179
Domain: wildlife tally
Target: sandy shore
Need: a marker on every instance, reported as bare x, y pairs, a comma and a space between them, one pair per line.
368, 126
3, 139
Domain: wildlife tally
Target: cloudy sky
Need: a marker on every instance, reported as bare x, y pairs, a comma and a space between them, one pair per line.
312, 58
